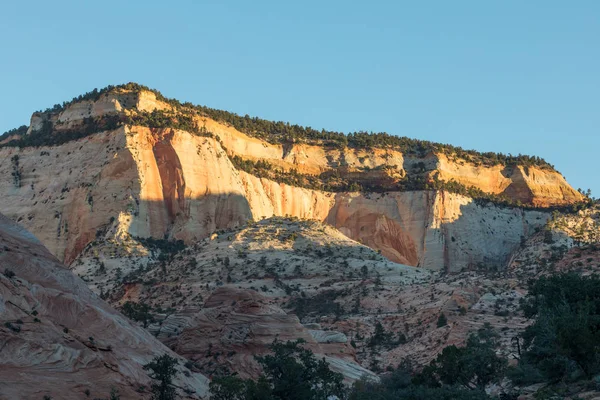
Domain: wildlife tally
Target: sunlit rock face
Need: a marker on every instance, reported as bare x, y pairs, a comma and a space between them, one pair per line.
171, 183
59, 339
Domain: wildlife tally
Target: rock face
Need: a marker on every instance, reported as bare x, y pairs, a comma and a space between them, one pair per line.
236, 325
57, 338
171, 183
225, 299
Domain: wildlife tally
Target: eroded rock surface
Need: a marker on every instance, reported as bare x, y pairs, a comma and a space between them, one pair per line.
59, 339
172, 183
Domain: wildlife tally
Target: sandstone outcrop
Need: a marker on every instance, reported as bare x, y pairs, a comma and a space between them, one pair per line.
224, 299
172, 183
236, 325
59, 339
262, 257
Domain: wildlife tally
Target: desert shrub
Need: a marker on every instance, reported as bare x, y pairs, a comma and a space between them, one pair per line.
162, 371
563, 343
291, 372
442, 320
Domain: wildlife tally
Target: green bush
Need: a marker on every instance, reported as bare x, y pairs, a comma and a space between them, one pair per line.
138, 312
564, 341
283, 132
162, 371
442, 320
291, 372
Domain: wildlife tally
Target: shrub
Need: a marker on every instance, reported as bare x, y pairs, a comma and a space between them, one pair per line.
139, 312
442, 320
563, 343
291, 372
162, 371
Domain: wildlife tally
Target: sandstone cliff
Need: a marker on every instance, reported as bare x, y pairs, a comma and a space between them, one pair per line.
59, 339
174, 183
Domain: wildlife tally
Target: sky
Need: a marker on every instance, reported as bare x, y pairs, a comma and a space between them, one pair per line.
508, 76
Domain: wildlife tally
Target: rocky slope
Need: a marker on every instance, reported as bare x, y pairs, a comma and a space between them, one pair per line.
176, 183
222, 301
225, 299
59, 339
276, 242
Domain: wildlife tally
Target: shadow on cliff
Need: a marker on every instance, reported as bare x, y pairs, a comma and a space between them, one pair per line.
477, 236
483, 236
435, 229
190, 218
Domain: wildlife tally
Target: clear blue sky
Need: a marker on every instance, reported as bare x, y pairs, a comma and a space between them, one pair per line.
510, 76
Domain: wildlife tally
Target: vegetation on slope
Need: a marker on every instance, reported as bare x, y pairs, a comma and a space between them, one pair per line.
282, 132
336, 183
50, 135
561, 346
278, 132
20, 131
290, 373
293, 372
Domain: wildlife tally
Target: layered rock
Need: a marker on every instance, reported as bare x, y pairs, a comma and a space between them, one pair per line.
59, 339
236, 325
172, 183
225, 299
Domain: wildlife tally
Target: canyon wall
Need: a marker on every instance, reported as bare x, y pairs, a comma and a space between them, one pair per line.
58, 339
170, 183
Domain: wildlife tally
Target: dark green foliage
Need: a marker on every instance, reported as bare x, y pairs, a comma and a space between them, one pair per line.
290, 373
20, 131
322, 303
442, 320
13, 327
333, 182
168, 248
382, 338
163, 119
50, 135
138, 312
400, 384
369, 391
162, 371
114, 394
564, 341
457, 373
9, 273
548, 239
472, 367
234, 388
524, 374
16, 174
283, 132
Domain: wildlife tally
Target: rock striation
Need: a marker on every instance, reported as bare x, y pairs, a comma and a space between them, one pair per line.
174, 183
59, 339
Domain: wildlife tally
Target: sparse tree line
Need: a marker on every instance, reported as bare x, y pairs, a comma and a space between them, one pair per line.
561, 346
20, 131
335, 183
283, 132
327, 181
